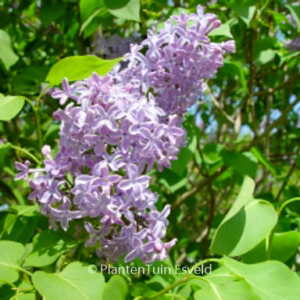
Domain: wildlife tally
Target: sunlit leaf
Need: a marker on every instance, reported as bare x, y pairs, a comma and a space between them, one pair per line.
75, 282
7, 55
79, 67
10, 106
10, 256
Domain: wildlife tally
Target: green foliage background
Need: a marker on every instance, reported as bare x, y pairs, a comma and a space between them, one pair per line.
234, 190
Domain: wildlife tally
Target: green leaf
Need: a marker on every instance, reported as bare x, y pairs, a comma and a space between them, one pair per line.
269, 280
258, 254
245, 230
51, 134
28, 80
88, 7
116, 4
266, 56
248, 223
48, 246
244, 197
211, 152
4, 149
186, 153
221, 285
10, 106
7, 55
19, 229
10, 256
51, 10
172, 181
245, 11
285, 245
116, 288
8, 292
92, 12
244, 163
223, 30
129, 11
263, 160
25, 210
27, 296
73, 283
295, 11
89, 20
79, 67
235, 69
264, 50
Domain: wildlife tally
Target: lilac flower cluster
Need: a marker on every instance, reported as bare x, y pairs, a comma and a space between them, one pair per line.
115, 130
177, 61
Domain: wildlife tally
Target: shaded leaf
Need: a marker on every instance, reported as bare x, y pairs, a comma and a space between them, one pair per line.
245, 11
4, 149
51, 10
285, 245
263, 160
248, 222
48, 246
244, 163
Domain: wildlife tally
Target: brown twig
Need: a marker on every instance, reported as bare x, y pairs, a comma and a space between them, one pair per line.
272, 90
203, 183
287, 177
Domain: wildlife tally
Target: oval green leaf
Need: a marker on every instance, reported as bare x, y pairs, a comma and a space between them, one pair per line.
270, 280
225, 286
245, 230
131, 11
79, 67
10, 256
248, 222
75, 282
116, 288
48, 246
285, 245
10, 106
7, 55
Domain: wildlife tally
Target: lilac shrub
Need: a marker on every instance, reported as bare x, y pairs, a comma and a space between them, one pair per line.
114, 129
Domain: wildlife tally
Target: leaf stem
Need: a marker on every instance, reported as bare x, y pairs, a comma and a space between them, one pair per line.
279, 211
182, 280
283, 205
205, 261
27, 153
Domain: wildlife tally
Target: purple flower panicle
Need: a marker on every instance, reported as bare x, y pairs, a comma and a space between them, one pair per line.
116, 129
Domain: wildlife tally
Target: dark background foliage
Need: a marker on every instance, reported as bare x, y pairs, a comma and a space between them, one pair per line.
247, 124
